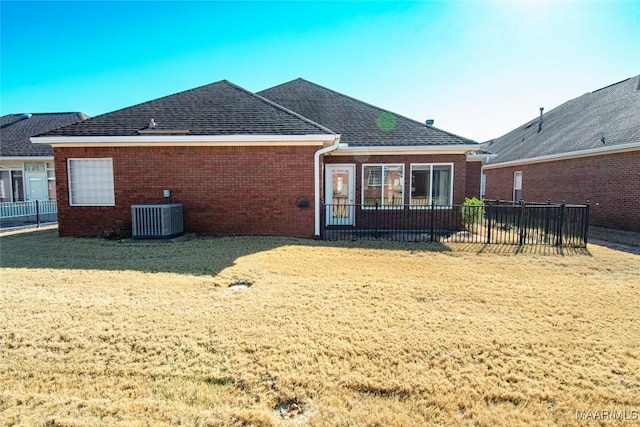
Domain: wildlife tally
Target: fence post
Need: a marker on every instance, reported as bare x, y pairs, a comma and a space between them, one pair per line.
376, 220
488, 214
38, 213
585, 231
323, 219
432, 220
521, 224
560, 225
547, 221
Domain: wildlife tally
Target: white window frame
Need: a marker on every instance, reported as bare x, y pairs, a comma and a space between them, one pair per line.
96, 191
381, 186
428, 206
517, 186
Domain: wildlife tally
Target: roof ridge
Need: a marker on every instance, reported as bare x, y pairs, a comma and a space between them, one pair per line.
608, 86
48, 113
372, 106
157, 99
575, 125
535, 119
280, 107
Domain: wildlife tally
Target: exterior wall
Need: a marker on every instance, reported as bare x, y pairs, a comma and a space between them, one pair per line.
458, 160
224, 190
610, 182
472, 179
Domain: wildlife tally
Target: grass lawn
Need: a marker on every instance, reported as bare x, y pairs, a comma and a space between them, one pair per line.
97, 332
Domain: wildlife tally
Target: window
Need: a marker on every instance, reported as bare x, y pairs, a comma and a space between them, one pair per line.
517, 186
17, 184
91, 182
11, 184
34, 167
431, 183
5, 186
51, 180
383, 185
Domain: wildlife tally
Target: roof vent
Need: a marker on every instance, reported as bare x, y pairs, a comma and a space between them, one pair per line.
540, 121
429, 122
152, 124
25, 116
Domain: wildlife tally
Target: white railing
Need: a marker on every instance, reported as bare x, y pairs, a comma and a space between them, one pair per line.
37, 211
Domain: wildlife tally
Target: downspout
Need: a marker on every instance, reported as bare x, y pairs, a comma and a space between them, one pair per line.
316, 170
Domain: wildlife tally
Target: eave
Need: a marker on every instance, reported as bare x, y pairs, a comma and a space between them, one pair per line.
481, 157
620, 148
186, 140
346, 150
25, 158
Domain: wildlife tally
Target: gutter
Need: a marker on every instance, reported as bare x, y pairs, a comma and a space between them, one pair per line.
345, 150
316, 181
25, 158
179, 140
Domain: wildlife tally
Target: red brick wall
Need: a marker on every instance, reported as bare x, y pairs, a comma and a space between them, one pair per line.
224, 190
459, 170
610, 182
472, 179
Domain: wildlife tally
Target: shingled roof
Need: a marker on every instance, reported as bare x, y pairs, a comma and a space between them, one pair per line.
607, 117
359, 124
220, 108
16, 129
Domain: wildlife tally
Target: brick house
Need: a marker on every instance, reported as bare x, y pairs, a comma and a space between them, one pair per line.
26, 169
585, 149
246, 163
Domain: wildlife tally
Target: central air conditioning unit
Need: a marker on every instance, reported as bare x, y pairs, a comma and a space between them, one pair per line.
157, 221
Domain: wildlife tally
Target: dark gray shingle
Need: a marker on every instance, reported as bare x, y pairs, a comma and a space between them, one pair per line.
612, 112
16, 129
359, 123
220, 108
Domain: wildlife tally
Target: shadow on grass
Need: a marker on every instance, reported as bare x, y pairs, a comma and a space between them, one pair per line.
199, 256
483, 248
203, 255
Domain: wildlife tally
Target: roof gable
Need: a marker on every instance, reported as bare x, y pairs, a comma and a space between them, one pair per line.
607, 117
16, 129
359, 124
220, 108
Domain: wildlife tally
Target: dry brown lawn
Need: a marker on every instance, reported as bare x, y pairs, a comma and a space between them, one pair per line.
96, 332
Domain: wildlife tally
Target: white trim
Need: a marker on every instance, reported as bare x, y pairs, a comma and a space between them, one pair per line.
430, 189
26, 159
568, 155
480, 157
517, 186
351, 190
316, 182
382, 185
71, 187
345, 150
183, 140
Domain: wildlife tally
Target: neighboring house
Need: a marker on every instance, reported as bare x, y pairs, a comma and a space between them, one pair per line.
246, 163
26, 169
585, 149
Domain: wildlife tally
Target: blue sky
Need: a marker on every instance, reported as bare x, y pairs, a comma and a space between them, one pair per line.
478, 68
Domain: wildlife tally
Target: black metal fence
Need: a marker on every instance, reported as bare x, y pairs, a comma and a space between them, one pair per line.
495, 221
